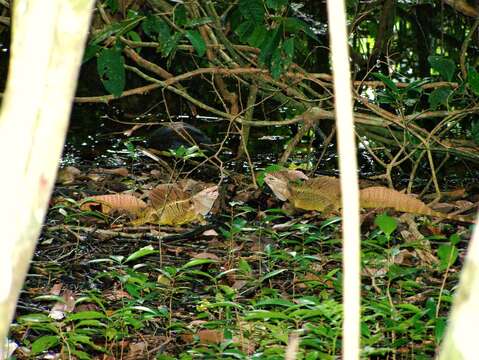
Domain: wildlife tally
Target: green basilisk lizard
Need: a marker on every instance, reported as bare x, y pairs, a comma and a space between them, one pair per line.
323, 194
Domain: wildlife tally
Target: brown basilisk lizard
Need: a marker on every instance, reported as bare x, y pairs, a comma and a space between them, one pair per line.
323, 194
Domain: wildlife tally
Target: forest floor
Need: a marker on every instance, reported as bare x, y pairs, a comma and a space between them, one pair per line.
251, 282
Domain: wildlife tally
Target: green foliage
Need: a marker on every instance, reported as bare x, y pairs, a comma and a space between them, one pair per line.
115, 29
155, 28
261, 297
180, 16
473, 80
185, 153
439, 97
276, 4
446, 67
269, 169
253, 10
386, 223
475, 131
110, 65
448, 253
197, 41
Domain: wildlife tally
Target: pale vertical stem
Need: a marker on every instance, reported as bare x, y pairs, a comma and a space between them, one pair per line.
349, 178
461, 337
48, 38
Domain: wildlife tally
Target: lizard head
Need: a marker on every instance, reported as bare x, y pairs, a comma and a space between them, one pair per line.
203, 201
278, 182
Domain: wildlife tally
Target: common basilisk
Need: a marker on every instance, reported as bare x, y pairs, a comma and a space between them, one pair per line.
323, 194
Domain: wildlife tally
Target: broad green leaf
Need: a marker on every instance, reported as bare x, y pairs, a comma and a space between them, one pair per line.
387, 81
294, 25
86, 315
90, 323
113, 5
454, 239
440, 329
180, 15
133, 35
244, 30
275, 302
81, 355
444, 66
266, 315
197, 262
244, 266
272, 274
288, 48
199, 21
439, 97
475, 131
110, 66
252, 10
90, 53
258, 36
144, 251
197, 41
276, 66
276, 4
168, 46
115, 29
33, 319
57, 298
153, 25
473, 80
269, 46
447, 256
44, 343
386, 223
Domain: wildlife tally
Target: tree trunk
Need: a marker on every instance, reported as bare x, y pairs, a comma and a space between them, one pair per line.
47, 45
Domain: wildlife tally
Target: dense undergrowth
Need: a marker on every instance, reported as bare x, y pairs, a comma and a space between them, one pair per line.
247, 290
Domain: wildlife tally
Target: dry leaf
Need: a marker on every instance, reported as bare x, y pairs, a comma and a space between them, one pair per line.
206, 255
210, 232
136, 350
115, 202
204, 200
60, 308
208, 336
118, 171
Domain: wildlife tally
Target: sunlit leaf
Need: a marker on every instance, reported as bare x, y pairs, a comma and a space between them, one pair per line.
197, 262
144, 251
85, 315
266, 315
272, 274
444, 66
447, 256
44, 343
386, 223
